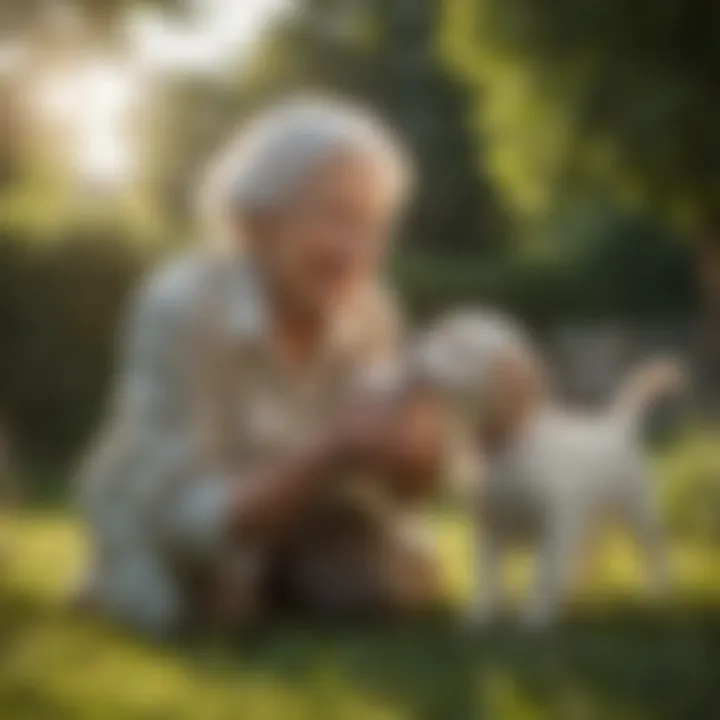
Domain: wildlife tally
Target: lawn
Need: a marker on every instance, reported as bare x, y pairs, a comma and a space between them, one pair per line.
613, 657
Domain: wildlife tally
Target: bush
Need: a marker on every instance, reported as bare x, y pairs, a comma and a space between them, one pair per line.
692, 488
59, 307
619, 266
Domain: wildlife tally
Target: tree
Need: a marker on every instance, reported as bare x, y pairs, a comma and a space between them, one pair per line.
614, 93
624, 91
384, 53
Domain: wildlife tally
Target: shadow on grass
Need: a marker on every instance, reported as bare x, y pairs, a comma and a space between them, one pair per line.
627, 662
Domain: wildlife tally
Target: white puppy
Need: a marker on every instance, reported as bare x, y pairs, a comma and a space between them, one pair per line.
552, 476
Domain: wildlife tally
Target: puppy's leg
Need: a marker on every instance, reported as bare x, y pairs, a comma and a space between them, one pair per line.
558, 552
488, 576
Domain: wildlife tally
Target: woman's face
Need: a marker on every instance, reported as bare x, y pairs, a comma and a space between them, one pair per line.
330, 238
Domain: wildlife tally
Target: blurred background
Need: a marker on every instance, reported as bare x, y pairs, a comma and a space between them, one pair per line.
569, 164
569, 161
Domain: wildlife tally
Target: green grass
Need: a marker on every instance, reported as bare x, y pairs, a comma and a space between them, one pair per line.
614, 657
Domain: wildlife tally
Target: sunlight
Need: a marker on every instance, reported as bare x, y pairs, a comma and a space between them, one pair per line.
105, 151
90, 108
216, 34
86, 107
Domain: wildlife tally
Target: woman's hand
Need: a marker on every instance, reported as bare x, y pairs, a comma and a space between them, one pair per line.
401, 438
416, 451
360, 435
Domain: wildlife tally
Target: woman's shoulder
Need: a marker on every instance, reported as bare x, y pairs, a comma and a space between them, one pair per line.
175, 281
179, 285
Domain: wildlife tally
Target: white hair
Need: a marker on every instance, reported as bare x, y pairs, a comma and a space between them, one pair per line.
271, 155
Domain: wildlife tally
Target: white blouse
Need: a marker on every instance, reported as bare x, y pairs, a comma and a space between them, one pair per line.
200, 398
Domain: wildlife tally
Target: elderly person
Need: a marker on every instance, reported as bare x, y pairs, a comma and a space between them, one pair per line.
255, 456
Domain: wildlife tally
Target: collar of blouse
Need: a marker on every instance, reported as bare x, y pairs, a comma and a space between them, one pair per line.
245, 319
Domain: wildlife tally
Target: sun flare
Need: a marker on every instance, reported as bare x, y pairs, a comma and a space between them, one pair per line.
90, 109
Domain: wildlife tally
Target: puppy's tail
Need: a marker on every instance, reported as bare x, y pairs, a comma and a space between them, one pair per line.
650, 382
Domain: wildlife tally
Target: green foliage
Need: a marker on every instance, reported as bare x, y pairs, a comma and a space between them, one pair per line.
59, 311
693, 498
590, 91
586, 264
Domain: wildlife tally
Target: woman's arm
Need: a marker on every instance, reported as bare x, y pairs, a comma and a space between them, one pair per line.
264, 506
158, 465
411, 451
149, 476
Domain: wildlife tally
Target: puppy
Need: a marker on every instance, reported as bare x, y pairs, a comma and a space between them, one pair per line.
551, 476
